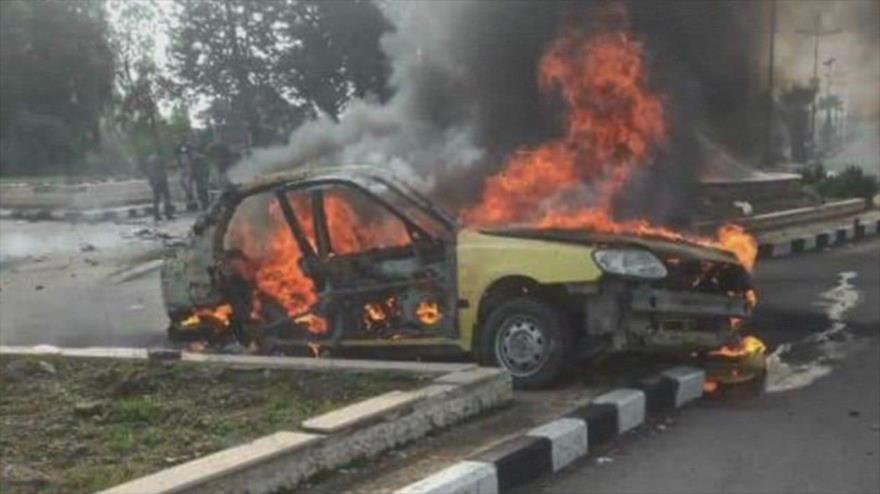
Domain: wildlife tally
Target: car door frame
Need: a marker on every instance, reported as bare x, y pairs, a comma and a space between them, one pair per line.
323, 242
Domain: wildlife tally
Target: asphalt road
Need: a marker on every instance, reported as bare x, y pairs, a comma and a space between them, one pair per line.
58, 283
817, 426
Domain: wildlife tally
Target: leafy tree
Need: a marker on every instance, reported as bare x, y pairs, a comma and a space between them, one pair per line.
137, 78
851, 182
56, 72
339, 54
268, 65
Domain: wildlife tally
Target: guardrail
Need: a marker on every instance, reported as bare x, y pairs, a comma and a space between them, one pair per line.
791, 217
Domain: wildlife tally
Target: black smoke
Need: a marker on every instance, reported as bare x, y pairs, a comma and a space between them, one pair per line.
466, 95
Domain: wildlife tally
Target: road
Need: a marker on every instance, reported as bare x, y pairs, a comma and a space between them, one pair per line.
815, 429
58, 283
817, 426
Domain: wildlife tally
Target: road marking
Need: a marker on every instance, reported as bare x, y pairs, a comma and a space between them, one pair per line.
832, 342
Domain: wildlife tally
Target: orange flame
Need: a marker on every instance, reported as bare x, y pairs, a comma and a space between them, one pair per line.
278, 273
613, 122
734, 238
216, 317
710, 387
747, 346
428, 312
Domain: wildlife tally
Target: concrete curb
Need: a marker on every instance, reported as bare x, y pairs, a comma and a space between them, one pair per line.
831, 237
443, 370
551, 447
286, 458
86, 215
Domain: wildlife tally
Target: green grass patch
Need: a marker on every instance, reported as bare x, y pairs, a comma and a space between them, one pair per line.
81, 425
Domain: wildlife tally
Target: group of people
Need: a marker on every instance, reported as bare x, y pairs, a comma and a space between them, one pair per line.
195, 175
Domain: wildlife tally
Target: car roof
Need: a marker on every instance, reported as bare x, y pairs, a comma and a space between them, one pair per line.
355, 174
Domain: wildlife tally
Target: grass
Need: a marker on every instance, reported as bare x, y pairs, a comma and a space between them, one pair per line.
81, 425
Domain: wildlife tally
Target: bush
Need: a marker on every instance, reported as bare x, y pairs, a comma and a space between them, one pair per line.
852, 182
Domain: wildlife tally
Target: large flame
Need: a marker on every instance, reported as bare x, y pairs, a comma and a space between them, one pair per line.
613, 123
278, 274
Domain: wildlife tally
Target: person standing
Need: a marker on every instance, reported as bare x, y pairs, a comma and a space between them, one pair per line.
187, 181
223, 160
154, 169
201, 171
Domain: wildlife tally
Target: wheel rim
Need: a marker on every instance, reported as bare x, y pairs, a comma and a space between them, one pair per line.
521, 346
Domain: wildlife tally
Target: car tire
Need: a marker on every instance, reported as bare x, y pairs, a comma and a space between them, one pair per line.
511, 335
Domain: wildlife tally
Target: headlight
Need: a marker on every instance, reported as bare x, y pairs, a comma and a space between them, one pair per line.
630, 262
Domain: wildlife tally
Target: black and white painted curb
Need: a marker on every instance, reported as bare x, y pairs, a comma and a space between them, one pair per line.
819, 240
551, 447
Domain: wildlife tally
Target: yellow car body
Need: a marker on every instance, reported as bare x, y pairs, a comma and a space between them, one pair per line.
485, 259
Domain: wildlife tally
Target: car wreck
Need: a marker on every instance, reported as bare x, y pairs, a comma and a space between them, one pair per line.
347, 259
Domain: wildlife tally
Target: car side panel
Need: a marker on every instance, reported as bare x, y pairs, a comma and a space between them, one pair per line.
484, 259
186, 277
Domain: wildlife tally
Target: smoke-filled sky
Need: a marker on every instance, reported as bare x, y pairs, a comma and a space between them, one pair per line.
856, 48
466, 94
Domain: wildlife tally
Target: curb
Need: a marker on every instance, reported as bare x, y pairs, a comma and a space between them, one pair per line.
551, 447
88, 216
839, 235
286, 458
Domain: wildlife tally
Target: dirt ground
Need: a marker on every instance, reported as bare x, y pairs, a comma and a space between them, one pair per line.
81, 425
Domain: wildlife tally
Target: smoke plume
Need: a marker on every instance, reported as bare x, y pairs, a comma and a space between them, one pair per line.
465, 95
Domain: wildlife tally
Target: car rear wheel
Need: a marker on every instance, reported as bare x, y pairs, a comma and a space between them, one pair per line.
529, 338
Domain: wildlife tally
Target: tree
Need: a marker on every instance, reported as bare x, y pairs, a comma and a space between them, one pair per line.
226, 51
268, 65
137, 79
56, 73
339, 55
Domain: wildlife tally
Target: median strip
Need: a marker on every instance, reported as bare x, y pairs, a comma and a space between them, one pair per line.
276, 460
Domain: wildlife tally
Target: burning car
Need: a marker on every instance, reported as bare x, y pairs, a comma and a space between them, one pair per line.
346, 258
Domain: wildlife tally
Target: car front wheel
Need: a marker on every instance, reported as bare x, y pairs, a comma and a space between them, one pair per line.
529, 338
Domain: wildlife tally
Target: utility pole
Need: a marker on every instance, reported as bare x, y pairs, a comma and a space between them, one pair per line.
816, 32
771, 113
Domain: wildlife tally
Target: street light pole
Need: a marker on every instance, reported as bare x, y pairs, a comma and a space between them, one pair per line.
771, 112
816, 32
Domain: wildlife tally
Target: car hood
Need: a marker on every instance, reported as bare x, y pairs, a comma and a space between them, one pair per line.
659, 246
